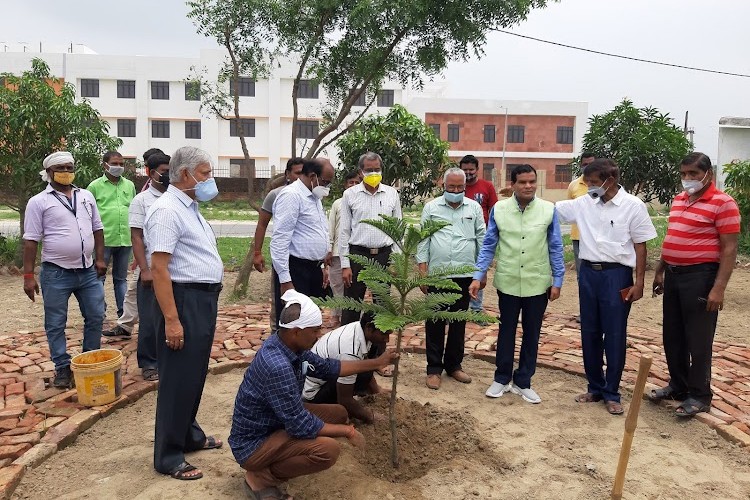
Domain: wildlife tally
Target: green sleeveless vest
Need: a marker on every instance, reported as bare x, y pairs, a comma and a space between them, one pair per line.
522, 266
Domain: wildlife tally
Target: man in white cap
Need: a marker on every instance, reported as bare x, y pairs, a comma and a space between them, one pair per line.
65, 219
275, 437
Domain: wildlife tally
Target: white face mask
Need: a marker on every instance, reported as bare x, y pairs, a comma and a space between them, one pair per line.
692, 186
115, 170
319, 191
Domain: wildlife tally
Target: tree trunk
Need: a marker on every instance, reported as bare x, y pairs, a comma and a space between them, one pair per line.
392, 405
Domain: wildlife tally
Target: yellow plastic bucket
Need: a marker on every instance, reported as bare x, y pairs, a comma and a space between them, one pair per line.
97, 376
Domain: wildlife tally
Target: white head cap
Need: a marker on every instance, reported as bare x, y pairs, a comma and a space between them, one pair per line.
309, 315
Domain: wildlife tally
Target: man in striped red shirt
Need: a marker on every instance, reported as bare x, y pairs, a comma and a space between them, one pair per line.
697, 259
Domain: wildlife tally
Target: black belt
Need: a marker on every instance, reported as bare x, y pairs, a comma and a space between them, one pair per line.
308, 262
601, 266
695, 268
206, 287
73, 270
369, 251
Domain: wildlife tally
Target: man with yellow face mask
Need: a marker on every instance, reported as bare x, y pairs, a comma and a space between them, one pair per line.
368, 200
65, 219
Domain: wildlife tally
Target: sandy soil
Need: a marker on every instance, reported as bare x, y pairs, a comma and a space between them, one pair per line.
18, 313
502, 448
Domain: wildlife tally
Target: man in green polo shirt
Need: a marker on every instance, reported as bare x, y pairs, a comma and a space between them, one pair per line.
113, 194
455, 245
530, 268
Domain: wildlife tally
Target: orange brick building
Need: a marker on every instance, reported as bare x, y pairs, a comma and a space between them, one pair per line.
546, 135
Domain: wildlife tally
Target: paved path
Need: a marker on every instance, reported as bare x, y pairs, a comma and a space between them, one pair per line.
36, 421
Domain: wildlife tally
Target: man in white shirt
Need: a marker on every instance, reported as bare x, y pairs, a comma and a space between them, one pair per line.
350, 342
614, 228
334, 218
368, 200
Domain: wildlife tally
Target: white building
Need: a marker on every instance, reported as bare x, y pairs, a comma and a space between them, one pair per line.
734, 144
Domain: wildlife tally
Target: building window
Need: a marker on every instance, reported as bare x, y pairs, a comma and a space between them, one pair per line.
488, 169
361, 100
453, 132
435, 128
125, 127
509, 170
192, 91
563, 173
246, 87
160, 129
193, 129
385, 98
160, 90
308, 89
248, 127
89, 87
126, 89
489, 133
308, 129
565, 135
516, 133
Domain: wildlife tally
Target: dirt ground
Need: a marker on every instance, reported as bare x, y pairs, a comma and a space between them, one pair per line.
19, 313
478, 448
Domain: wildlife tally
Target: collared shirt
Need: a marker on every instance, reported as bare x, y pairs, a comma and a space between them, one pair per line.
334, 223
139, 208
174, 225
609, 230
345, 343
457, 244
484, 193
554, 243
300, 228
576, 188
270, 397
65, 226
359, 204
113, 200
694, 230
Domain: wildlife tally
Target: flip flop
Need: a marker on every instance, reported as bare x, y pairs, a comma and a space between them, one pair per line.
588, 397
150, 374
270, 493
386, 372
691, 407
212, 443
180, 472
614, 407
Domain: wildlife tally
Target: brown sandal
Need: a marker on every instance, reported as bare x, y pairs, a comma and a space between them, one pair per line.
614, 408
588, 397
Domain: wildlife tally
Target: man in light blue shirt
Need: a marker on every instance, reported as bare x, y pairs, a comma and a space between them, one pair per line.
455, 245
529, 271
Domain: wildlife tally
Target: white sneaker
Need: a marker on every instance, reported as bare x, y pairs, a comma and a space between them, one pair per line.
528, 395
496, 390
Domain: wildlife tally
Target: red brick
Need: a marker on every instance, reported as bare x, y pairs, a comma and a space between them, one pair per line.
31, 438
10, 476
17, 388
733, 434
136, 391
13, 451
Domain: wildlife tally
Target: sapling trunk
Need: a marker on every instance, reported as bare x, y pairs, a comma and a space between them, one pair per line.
392, 404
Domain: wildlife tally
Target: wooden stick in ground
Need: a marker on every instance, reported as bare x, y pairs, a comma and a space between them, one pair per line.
631, 422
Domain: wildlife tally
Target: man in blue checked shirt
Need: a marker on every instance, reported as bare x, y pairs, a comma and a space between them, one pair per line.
275, 437
525, 232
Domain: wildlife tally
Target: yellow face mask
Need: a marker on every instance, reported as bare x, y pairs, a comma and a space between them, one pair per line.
372, 179
64, 178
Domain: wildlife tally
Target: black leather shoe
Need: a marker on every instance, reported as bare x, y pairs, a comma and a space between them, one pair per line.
117, 331
63, 378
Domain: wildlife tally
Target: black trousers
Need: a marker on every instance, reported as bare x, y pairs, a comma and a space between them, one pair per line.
689, 329
182, 374
147, 347
357, 289
327, 394
531, 324
442, 354
307, 278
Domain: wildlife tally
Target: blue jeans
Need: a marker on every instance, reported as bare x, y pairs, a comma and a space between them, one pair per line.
120, 257
57, 285
477, 304
604, 323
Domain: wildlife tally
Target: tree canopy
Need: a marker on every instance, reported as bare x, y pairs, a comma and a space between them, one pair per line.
38, 116
413, 156
645, 143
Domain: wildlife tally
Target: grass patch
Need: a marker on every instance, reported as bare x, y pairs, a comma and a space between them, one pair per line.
7, 213
9, 250
233, 251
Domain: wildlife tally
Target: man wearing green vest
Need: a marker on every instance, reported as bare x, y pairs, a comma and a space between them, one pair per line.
525, 232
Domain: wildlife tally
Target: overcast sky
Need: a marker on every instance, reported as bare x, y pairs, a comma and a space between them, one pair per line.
687, 32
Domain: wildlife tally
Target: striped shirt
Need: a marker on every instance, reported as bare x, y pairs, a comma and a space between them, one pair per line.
359, 204
694, 228
345, 343
334, 222
300, 228
174, 225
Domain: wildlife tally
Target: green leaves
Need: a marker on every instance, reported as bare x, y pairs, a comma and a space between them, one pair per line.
737, 183
646, 145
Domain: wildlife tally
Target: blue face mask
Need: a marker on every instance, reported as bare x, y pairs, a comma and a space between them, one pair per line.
453, 197
205, 190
